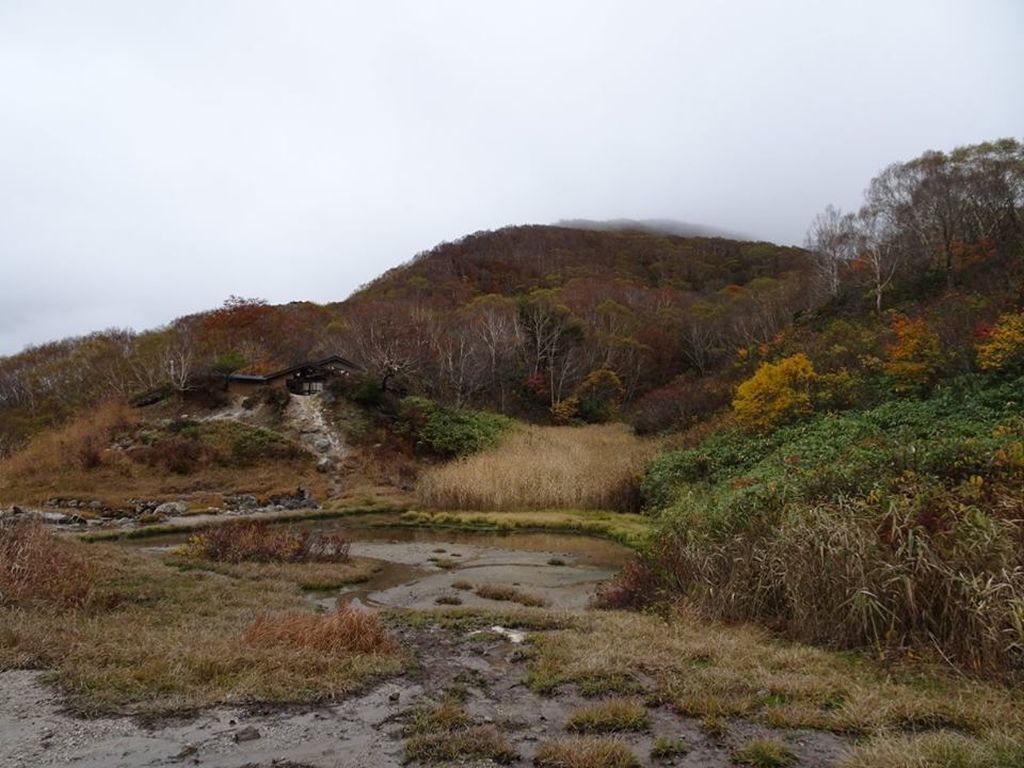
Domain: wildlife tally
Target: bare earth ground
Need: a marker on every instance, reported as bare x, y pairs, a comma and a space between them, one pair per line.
364, 731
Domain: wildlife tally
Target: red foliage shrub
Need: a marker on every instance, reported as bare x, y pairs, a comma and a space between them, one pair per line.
634, 587
255, 541
678, 405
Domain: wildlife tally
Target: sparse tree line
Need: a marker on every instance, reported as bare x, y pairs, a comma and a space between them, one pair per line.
939, 217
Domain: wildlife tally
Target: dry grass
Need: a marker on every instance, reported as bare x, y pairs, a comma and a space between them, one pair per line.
610, 716
81, 460
710, 671
445, 733
595, 467
584, 752
155, 638
764, 753
38, 569
113, 485
939, 750
629, 529
311, 576
79, 445
665, 748
347, 630
505, 593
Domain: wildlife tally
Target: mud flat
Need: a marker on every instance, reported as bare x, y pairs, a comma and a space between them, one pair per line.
484, 668
463, 654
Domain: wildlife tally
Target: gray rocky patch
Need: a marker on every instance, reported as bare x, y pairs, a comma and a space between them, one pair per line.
171, 509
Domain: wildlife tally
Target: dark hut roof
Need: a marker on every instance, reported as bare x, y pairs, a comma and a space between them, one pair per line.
263, 379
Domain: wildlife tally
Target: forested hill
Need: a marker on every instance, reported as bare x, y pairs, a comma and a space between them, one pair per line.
516, 260
512, 319
533, 320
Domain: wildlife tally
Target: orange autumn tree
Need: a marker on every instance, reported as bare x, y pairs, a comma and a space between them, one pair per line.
1003, 346
776, 393
915, 357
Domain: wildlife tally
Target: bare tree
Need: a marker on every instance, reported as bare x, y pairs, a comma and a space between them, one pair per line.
877, 251
832, 240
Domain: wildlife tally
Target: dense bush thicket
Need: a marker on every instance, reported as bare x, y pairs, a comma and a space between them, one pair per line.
898, 525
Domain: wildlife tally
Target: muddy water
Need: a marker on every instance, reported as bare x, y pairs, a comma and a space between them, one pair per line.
419, 566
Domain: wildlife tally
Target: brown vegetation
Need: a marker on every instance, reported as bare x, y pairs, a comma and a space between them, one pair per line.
38, 569
584, 752
347, 630
256, 541
710, 671
445, 733
595, 467
82, 444
610, 717
111, 454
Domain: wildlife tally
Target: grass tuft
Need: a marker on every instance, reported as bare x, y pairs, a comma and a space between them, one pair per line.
938, 750
610, 716
764, 753
348, 630
445, 733
584, 752
665, 748
504, 593
155, 638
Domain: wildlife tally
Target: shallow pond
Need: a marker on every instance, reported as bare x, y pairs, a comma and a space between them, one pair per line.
421, 566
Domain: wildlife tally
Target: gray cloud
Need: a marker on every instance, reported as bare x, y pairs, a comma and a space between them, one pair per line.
156, 157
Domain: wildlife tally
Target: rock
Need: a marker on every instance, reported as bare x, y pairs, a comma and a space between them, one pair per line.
324, 464
95, 505
248, 733
242, 501
187, 751
322, 444
393, 696
171, 509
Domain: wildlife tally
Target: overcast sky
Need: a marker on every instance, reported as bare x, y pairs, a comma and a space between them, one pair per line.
159, 155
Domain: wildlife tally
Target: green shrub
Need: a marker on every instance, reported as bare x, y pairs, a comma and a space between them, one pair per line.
453, 432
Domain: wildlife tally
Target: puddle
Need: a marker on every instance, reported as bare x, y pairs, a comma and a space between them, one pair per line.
420, 566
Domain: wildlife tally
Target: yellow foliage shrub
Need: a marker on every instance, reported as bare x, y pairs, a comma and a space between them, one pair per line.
776, 393
915, 357
1003, 348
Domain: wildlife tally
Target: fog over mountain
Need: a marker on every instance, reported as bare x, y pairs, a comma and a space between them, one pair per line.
157, 157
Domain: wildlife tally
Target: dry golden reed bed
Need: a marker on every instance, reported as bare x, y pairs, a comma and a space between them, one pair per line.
594, 467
